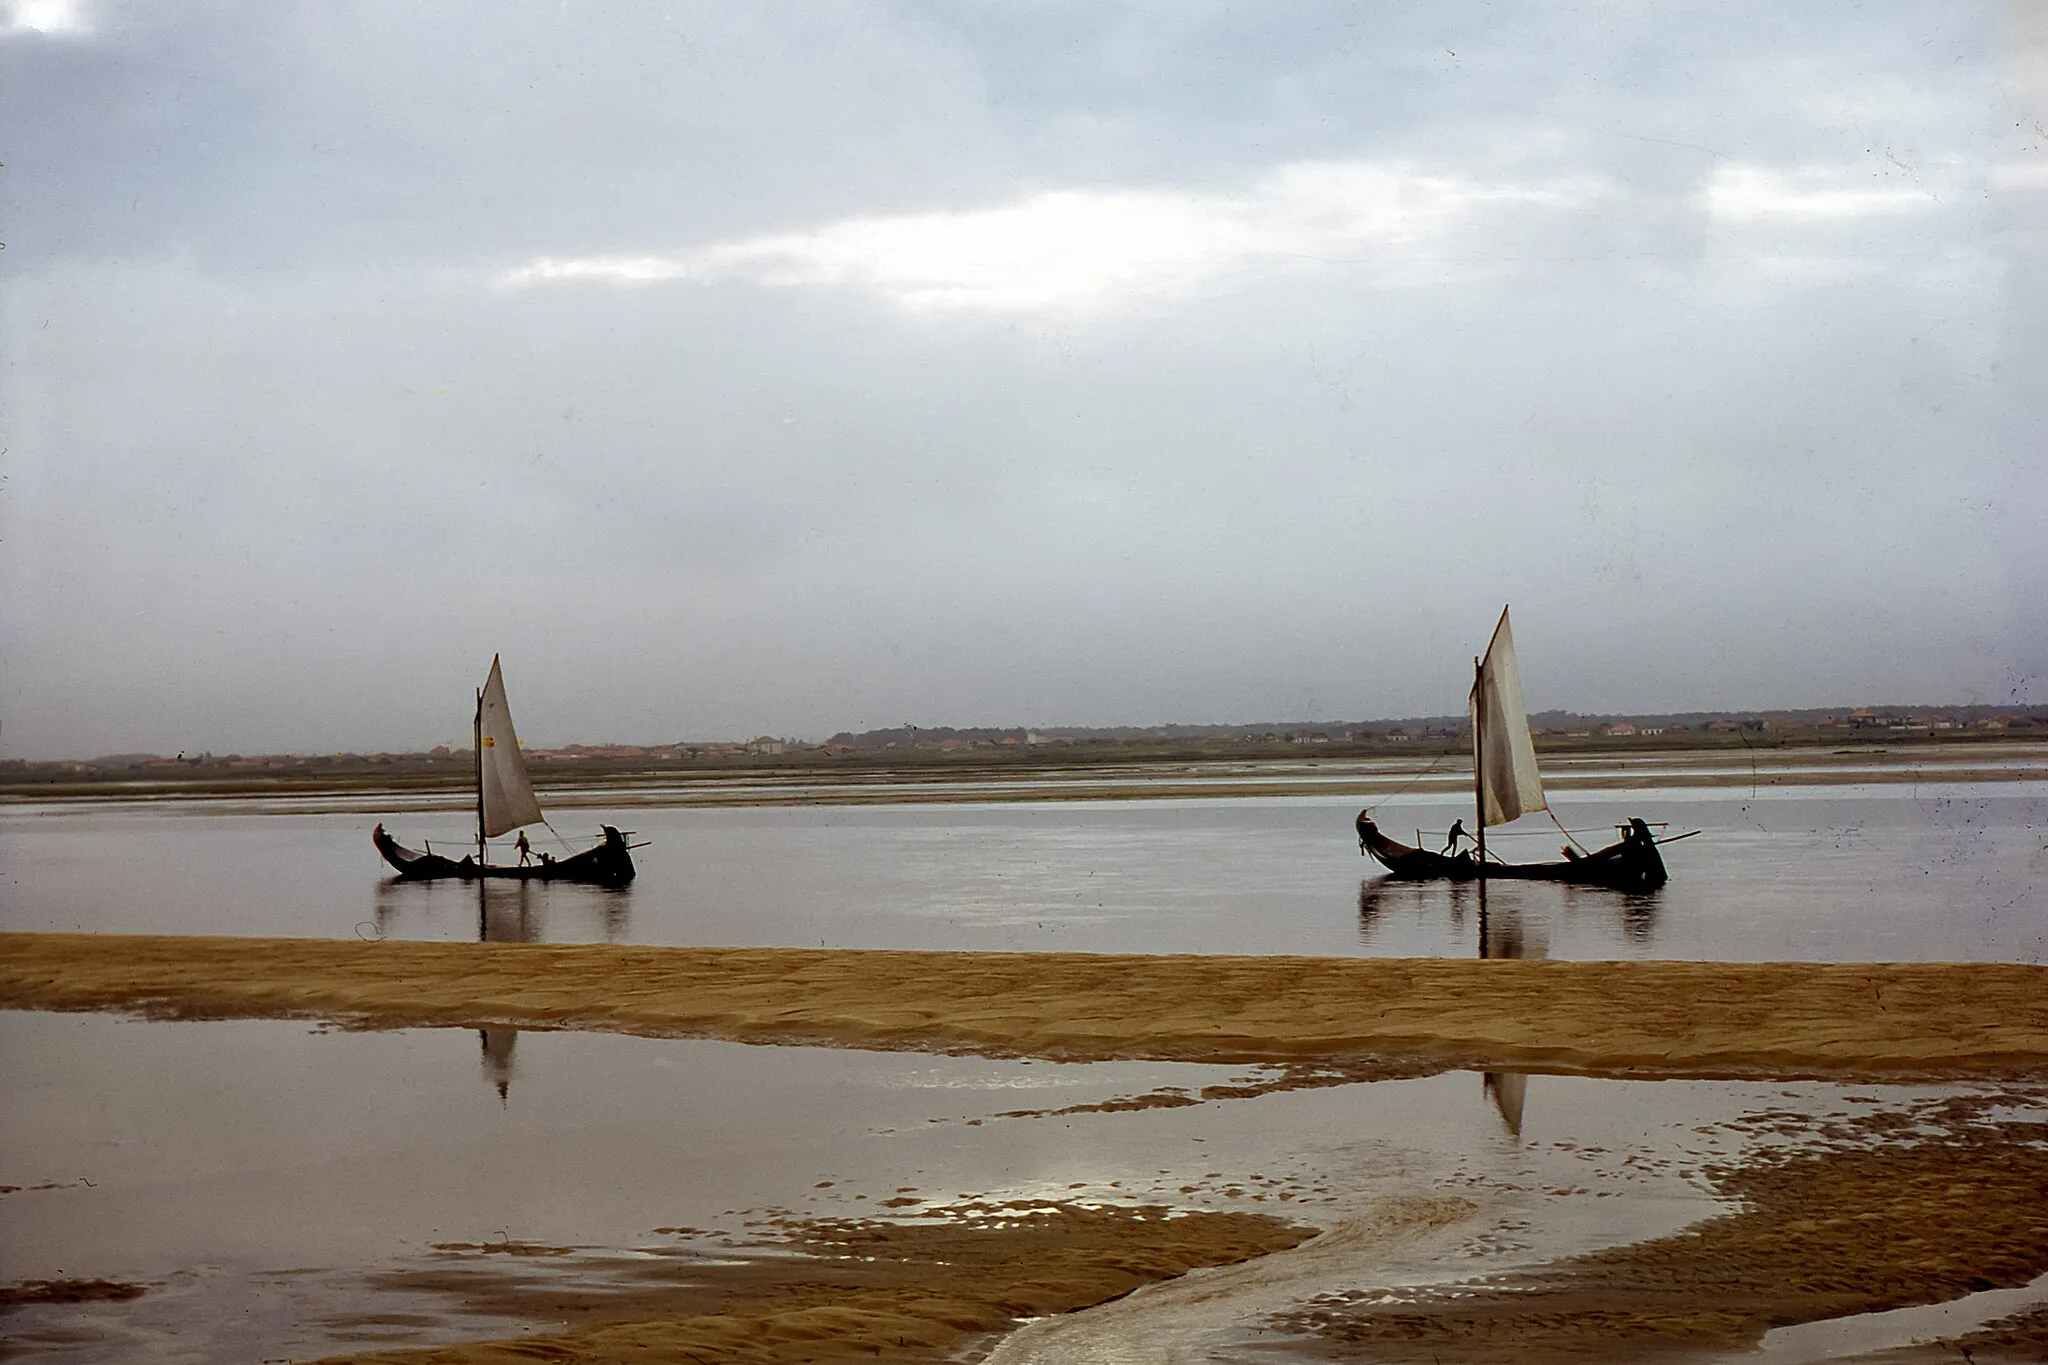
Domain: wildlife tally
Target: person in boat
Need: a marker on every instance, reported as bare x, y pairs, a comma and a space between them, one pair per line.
1457, 833
525, 849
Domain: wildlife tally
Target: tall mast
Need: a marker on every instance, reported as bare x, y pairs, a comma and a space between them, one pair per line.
477, 747
1479, 760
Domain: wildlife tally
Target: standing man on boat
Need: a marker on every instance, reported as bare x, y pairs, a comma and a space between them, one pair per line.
525, 849
1457, 833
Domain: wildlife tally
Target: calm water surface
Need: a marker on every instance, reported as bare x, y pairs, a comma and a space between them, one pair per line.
1952, 872
258, 1175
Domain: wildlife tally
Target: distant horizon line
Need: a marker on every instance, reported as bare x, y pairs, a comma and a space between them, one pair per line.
1548, 719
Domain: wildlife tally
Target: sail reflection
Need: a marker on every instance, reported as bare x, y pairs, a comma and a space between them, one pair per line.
498, 912
1504, 933
505, 913
497, 1058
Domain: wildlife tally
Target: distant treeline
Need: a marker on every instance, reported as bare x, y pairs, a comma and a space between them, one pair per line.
443, 766
1418, 727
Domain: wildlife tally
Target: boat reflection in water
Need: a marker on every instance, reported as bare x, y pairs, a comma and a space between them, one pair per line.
1514, 921
1402, 918
506, 912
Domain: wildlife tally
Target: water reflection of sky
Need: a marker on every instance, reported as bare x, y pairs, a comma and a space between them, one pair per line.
1952, 872
260, 1192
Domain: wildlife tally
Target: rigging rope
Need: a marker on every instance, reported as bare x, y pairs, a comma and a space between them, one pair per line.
1494, 832
1572, 835
1455, 743
1562, 830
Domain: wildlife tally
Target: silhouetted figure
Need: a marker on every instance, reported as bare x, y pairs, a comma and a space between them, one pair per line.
1457, 833
525, 849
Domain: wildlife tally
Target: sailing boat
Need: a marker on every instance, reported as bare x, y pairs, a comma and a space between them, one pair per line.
504, 802
1506, 785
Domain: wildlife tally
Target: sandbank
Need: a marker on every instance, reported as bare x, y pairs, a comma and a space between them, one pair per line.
1893, 1209
1901, 1206
1365, 778
1816, 1020
854, 1290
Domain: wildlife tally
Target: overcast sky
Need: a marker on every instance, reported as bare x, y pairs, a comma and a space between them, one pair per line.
744, 368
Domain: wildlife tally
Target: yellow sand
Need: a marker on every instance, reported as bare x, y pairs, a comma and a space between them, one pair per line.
1659, 1018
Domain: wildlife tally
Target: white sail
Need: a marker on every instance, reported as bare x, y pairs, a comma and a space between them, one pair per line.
508, 799
1509, 784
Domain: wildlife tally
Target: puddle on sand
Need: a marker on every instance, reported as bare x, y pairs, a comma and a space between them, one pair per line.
1866, 1334
264, 1180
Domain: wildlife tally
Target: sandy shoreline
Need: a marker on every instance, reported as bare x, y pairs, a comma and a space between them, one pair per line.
1370, 780
1862, 1215
1605, 1018
1887, 1210
854, 1289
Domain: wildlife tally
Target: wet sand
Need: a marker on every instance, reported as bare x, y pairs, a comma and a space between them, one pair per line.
1601, 1018
1368, 778
13, 1296
2022, 1337
853, 1290
895, 790
1860, 1216
1903, 1206
1866, 1215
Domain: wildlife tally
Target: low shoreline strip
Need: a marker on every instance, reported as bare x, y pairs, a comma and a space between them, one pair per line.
1816, 1020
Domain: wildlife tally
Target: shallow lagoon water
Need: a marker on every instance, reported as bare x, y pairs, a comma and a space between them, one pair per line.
258, 1175
1870, 873
261, 1194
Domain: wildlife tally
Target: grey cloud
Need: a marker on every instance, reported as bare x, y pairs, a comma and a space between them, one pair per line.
286, 465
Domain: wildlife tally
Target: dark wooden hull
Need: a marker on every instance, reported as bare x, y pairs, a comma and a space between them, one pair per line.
610, 863
1631, 864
